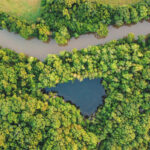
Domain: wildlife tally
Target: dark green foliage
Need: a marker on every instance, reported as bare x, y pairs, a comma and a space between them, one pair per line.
30, 119
68, 18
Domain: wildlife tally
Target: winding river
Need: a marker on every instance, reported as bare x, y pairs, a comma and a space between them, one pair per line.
87, 94
37, 48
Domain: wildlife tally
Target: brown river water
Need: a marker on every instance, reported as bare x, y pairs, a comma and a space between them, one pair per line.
37, 48
86, 95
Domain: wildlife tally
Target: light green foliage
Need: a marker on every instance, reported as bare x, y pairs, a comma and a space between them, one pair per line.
103, 30
43, 32
26, 31
68, 18
123, 66
23, 9
62, 36
143, 11
130, 38
17, 72
116, 2
30, 119
134, 15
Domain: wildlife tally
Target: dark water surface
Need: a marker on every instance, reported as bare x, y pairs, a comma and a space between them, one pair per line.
87, 95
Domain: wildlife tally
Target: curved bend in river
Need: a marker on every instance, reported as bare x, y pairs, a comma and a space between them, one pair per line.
37, 48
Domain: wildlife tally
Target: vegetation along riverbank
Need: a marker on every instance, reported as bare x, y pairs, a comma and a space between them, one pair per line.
64, 19
30, 119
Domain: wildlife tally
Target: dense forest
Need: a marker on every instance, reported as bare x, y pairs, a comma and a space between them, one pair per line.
31, 119
63, 19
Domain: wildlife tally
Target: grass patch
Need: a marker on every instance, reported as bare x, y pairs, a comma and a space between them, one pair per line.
117, 2
25, 9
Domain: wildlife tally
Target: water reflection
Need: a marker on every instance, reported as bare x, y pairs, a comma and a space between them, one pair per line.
87, 95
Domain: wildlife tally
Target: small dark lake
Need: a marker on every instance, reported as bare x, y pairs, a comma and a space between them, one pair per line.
87, 95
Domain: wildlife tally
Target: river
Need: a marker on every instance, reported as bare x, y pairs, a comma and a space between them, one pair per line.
37, 48
80, 93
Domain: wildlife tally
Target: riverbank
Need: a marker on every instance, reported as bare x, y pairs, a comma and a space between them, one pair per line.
37, 48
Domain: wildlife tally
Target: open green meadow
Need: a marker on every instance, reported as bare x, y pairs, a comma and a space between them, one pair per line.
25, 9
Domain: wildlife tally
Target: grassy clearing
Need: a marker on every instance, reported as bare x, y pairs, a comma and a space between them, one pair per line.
25, 9
30, 9
117, 2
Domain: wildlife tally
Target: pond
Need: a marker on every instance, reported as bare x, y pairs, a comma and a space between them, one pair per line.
87, 95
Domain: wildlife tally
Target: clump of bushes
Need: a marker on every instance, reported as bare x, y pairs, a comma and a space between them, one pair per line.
102, 31
62, 36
